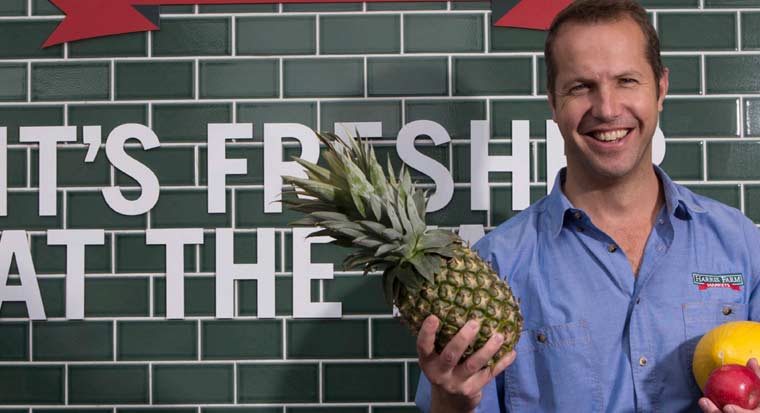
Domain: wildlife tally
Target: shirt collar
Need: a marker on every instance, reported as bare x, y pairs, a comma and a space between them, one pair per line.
678, 202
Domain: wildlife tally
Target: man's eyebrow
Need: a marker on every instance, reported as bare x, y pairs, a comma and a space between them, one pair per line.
630, 73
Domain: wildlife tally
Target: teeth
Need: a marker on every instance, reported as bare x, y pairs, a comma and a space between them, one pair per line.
609, 136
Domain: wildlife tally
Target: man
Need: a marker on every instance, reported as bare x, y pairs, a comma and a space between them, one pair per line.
607, 266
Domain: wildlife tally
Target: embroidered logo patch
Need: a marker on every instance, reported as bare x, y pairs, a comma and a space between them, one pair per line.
705, 281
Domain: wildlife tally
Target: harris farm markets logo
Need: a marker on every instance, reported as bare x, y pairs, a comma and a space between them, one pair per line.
86, 19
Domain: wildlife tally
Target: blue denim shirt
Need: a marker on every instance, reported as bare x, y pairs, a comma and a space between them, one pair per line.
610, 341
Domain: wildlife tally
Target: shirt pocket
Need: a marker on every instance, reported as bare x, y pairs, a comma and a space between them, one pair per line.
699, 317
554, 367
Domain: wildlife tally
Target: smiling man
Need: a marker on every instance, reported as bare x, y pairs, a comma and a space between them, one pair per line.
608, 265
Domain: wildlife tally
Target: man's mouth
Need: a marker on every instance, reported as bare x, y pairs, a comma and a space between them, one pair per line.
609, 135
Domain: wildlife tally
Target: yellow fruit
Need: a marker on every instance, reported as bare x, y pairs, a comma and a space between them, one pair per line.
734, 342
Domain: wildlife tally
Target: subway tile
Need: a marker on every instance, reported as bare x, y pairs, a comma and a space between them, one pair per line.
683, 160
684, 76
176, 9
752, 202
501, 202
276, 35
154, 80
320, 7
187, 209
172, 166
73, 171
123, 45
13, 117
115, 384
388, 112
732, 74
70, 81
751, 117
404, 76
250, 211
22, 39
62, 409
247, 295
72, 341
185, 384
44, 8
320, 253
697, 31
699, 118
52, 292
244, 250
199, 296
325, 77
342, 409
357, 294
454, 116
511, 39
158, 410
23, 213
503, 112
727, 194
750, 30
16, 168
493, 76
116, 297
89, 210
188, 122
325, 339
107, 116
396, 409
732, 160
443, 33
14, 341
668, 4
363, 382
12, 82
13, 8
458, 210
31, 384
413, 374
237, 8
193, 37
259, 114
732, 3
134, 255
359, 34
471, 5
392, 339
221, 79
278, 383
241, 409
157, 340
241, 339
406, 6
254, 158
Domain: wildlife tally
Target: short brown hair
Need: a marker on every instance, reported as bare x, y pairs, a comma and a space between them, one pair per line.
594, 11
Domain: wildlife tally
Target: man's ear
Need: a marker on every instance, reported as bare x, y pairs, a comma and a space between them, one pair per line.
663, 87
550, 95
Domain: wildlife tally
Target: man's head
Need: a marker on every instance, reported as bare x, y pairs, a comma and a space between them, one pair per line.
596, 11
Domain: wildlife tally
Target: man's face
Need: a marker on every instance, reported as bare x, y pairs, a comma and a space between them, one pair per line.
605, 99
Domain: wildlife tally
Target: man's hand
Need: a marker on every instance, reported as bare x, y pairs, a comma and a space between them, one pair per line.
708, 406
458, 387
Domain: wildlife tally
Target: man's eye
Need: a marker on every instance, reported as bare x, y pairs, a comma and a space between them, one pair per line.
578, 88
628, 81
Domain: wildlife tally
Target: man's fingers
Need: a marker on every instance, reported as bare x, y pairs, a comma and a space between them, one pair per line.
481, 378
752, 364
453, 351
476, 361
426, 337
504, 362
708, 406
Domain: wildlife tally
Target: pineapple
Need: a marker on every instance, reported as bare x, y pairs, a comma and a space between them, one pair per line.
424, 271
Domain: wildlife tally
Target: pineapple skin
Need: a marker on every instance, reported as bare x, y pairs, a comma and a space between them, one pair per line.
466, 288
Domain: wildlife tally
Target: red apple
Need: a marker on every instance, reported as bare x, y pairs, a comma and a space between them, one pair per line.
733, 384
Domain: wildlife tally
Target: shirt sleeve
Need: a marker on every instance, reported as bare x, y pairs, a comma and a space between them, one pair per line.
752, 235
489, 404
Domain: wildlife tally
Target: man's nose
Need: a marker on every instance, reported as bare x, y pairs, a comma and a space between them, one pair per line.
606, 105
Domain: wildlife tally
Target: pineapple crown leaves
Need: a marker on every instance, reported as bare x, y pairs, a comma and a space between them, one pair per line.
382, 216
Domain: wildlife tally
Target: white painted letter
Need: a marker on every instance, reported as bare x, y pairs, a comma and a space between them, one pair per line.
139, 172
518, 163
471, 233
275, 168
75, 240
444, 182
555, 153
175, 240
48, 137
219, 166
14, 243
304, 271
658, 146
227, 272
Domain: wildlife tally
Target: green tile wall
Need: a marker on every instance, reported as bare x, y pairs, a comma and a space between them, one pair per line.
313, 64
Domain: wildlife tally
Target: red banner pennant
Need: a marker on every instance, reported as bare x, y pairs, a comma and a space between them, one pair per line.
533, 14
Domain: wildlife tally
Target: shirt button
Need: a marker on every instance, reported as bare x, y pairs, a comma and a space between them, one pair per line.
727, 311
642, 361
638, 300
577, 215
541, 338
661, 221
612, 248
579, 229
